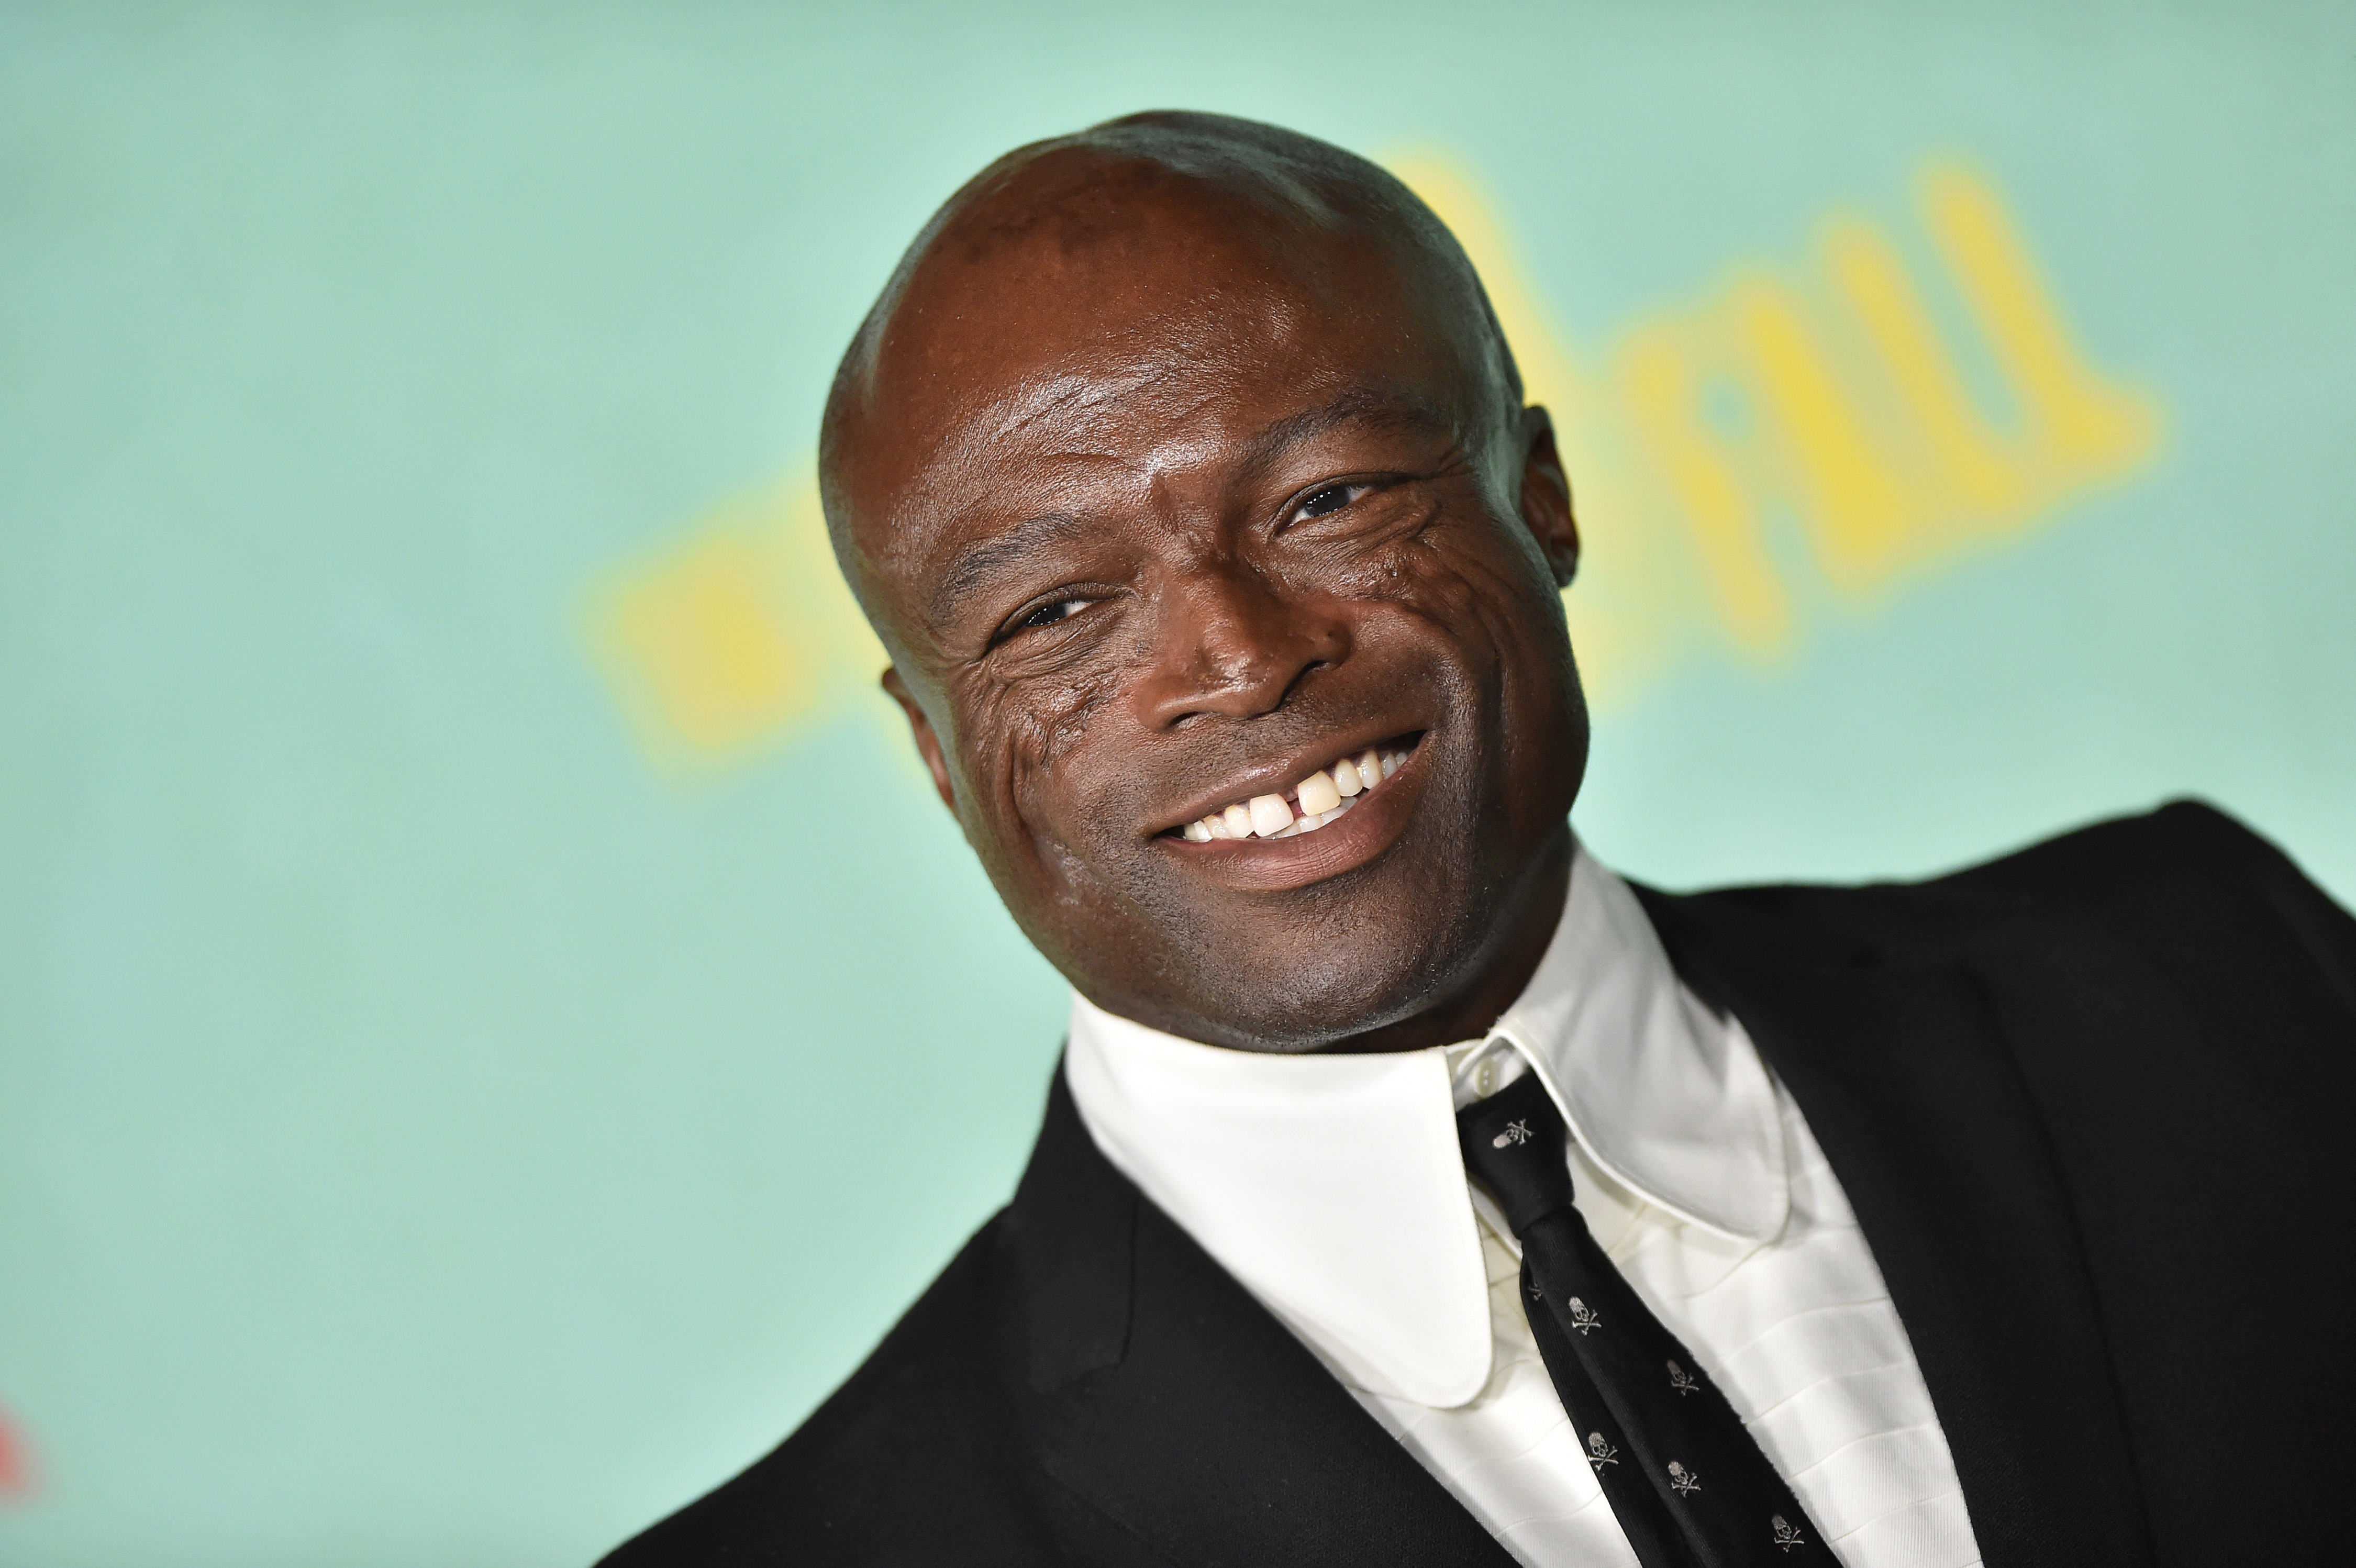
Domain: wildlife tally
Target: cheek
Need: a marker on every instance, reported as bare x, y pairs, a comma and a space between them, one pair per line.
1023, 742
1466, 582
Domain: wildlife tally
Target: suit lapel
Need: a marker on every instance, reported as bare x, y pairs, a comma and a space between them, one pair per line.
1911, 1090
1170, 1400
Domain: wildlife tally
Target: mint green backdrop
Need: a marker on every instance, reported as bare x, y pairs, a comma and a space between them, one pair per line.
492, 1027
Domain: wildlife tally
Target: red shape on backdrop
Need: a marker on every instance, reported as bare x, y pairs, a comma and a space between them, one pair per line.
16, 1463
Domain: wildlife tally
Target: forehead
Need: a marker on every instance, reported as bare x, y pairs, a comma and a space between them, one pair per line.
1061, 323
1153, 324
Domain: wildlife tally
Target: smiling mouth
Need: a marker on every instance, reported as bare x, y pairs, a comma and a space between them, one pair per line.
1324, 796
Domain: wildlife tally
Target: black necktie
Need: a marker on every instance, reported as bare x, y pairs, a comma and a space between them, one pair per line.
1686, 1479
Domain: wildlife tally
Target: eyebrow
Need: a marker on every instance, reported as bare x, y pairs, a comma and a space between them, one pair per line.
973, 565
1359, 406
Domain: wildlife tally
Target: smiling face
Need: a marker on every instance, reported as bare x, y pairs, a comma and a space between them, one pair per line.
1175, 497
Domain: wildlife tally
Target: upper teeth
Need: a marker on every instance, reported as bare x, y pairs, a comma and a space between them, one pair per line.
1316, 801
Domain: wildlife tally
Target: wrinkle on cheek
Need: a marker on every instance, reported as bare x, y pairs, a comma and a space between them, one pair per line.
1400, 568
1077, 703
1520, 631
1460, 587
1035, 727
1374, 566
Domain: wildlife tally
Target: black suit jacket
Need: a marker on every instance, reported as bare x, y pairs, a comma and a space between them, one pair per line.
2092, 1104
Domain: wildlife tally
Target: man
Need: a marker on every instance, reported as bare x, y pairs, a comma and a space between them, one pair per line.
1414, 1190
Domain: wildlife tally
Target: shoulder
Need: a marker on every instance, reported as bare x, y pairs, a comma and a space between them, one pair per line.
2174, 958
901, 1463
933, 1451
2173, 864
2169, 979
2167, 880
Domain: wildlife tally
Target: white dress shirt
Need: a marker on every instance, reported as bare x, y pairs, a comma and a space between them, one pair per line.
1332, 1188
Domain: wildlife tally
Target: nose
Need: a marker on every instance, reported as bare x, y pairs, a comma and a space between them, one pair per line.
1231, 643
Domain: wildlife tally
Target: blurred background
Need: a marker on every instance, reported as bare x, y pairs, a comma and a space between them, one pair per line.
463, 902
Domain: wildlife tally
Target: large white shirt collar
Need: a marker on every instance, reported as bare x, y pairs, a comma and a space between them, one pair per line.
1332, 1186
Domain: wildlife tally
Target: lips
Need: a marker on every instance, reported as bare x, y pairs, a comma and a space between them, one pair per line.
1323, 797
1302, 844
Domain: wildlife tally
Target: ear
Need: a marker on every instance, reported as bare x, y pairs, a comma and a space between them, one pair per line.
929, 744
1546, 496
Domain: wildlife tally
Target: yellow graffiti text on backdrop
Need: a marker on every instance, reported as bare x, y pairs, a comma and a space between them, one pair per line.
1826, 403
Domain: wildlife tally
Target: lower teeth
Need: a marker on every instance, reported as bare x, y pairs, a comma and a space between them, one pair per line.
1310, 824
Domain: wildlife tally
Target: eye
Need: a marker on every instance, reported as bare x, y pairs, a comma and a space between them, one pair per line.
1329, 499
1049, 614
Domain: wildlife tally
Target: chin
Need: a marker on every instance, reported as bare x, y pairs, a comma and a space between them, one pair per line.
1375, 978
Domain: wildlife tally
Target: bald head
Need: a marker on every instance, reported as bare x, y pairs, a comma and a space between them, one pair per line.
1131, 229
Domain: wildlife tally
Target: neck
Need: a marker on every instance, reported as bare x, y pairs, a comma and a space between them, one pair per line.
1521, 933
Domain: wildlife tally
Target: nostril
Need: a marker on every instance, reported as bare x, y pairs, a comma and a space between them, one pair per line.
1305, 672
